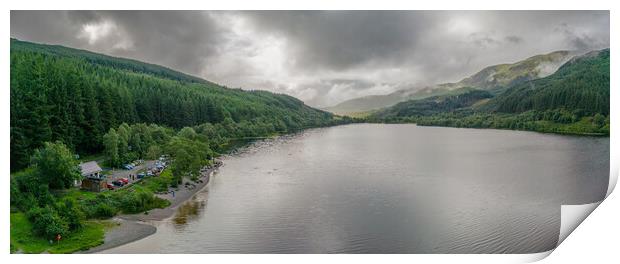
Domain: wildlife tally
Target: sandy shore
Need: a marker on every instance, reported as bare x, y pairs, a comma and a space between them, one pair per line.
135, 226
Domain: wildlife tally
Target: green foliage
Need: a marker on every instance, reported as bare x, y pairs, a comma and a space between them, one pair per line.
110, 143
27, 190
65, 211
70, 212
47, 223
464, 97
187, 133
137, 199
72, 97
23, 238
573, 100
550, 121
189, 155
159, 183
103, 211
75, 96
582, 83
494, 79
153, 152
56, 166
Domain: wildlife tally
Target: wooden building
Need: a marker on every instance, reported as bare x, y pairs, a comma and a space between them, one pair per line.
92, 180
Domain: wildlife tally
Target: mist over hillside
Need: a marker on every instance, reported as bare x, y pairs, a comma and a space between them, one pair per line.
492, 78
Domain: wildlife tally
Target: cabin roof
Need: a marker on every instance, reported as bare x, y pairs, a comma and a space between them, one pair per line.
90, 167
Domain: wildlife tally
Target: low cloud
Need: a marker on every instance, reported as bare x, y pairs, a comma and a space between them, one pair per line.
322, 57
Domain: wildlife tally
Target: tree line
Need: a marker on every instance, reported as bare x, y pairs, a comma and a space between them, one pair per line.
60, 94
575, 100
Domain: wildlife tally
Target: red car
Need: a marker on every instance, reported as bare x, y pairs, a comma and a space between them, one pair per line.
110, 186
124, 180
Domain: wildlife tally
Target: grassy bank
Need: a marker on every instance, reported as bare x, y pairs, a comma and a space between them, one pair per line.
66, 207
23, 239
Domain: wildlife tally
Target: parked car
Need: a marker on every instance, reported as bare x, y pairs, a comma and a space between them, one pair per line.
118, 183
128, 166
149, 173
110, 186
124, 180
141, 175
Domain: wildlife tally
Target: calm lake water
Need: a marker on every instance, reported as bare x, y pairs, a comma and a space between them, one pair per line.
372, 188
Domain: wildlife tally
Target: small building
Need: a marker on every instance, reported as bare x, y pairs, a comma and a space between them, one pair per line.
92, 179
90, 169
94, 184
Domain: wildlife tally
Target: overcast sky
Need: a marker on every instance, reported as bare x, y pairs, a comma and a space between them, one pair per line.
321, 57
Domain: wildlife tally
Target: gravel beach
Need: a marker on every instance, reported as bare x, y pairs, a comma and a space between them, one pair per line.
135, 226
127, 231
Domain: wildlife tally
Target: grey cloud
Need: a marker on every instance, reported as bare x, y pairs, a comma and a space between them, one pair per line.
322, 57
44, 26
514, 39
484, 40
581, 41
179, 39
343, 39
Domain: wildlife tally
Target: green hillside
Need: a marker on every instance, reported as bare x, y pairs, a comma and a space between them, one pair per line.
492, 78
365, 103
504, 75
75, 96
452, 101
575, 100
104, 60
582, 84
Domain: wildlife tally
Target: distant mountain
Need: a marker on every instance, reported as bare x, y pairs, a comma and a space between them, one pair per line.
492, 79
575, 100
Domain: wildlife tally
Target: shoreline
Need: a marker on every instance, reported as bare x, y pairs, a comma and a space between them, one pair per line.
134, 227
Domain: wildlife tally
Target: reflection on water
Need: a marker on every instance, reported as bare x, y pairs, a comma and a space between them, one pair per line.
389, 189
188, 211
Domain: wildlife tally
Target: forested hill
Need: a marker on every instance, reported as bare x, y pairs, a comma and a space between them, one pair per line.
580, 84
103, 60
493, 79
575, 99
75, 96
452, 101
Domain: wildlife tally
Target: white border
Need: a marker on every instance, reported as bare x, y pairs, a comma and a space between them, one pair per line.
596, 233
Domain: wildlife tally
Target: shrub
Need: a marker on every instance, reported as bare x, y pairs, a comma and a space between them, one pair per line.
56, 166
103, 210
28, 192
138, 200
46, 222
70, 213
